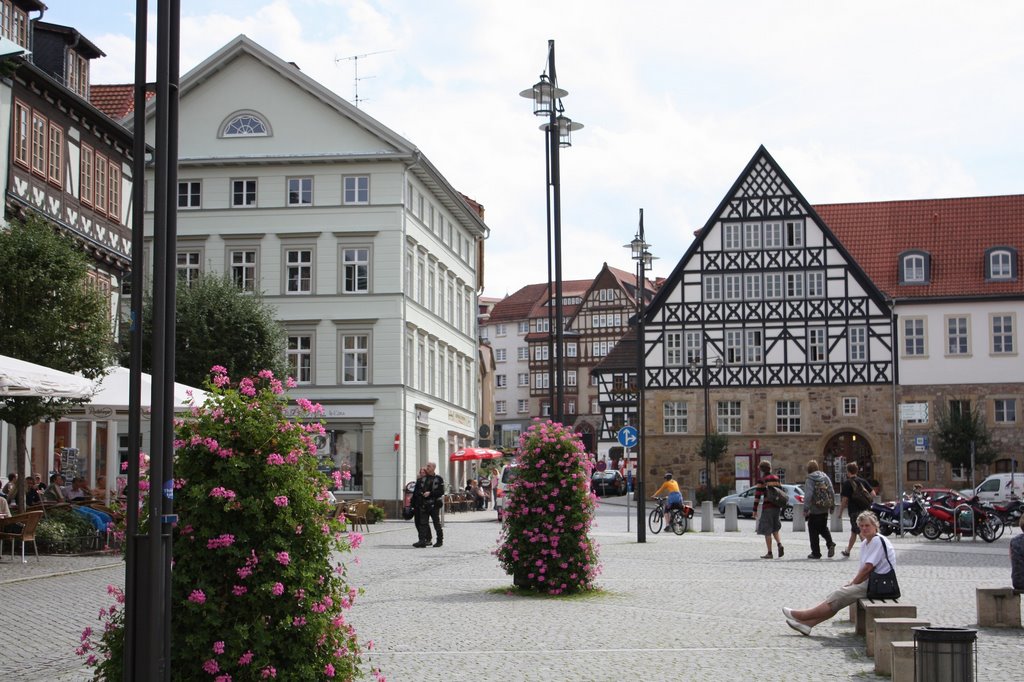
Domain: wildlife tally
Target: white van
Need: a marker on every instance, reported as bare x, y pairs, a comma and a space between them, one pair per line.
1000, 487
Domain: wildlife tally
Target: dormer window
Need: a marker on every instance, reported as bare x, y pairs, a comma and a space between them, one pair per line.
245, 124
1001, 264
915, 267
76, 75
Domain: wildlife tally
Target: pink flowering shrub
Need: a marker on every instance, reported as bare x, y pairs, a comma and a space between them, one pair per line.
545, 542
251, 597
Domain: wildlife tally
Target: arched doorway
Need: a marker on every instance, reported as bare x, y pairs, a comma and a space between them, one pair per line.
587, 435
844, 447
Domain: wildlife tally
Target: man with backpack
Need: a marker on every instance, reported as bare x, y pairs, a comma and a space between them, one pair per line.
856, 497
819, 500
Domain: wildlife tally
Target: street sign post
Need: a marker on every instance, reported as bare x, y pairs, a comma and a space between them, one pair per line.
628, 436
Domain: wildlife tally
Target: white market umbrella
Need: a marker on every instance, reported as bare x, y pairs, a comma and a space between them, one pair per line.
112, 392
20, 378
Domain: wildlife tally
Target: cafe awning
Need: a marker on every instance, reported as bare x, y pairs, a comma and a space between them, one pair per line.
467, 454
112, 392
21, 378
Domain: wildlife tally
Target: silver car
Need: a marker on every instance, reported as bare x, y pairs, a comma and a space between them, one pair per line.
745, 501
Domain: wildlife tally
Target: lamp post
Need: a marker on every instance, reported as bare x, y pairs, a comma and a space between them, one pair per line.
703, 367
644, 262
547, 101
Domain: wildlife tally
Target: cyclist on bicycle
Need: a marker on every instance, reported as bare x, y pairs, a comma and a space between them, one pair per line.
675, 498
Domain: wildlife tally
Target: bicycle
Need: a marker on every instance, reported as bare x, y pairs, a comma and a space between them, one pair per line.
678, 522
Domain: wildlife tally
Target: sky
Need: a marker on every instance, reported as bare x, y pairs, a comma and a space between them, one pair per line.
867, 101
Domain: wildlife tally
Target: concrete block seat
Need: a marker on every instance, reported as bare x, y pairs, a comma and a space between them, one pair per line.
889, 630
998, 607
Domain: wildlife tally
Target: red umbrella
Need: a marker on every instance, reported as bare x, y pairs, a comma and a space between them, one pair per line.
467, 454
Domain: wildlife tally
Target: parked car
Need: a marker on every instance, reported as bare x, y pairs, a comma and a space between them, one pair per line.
604, 483
745, 501
508, 474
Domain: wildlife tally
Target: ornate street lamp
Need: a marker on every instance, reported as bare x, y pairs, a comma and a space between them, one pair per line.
639, 252
547, 101
703, 367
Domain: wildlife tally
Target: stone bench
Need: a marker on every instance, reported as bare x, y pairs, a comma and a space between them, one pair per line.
889, 630
903, 661
856, 613
875, 612
998, 607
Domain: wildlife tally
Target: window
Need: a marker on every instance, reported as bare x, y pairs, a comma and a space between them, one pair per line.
712, 287
76, 74
1005, 410
100, 186
570, 377
246, 124
595, 406
673, 348
571, 350
773, 285
55, 157
501, 380
243, 268
787, 416
794, 285
243, 193
694, 352
39, 144
849, 406
815, 284
298, 271
500, 329
300, 358
545, 409
523, 379
957, 338
917, 470
540, 352
1001, 264
773, 235
816, 345
733, 346
189, 266
752, 286
114, 198
355, 358
794, 232
751, 236
675, 416
729, 419
22, 144
523, 406
1002, 334
355, 266
858, 344
87, 176
189, 194
431, 289
541, 380
499, 354
357, 190
542, 324
523, 327
913, 337
914, 268
733, 287
421, 279
501, 407
754, 343
731, 236
300, 191
523, 353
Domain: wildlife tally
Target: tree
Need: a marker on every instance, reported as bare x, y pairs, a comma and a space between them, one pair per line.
49, 315
956, 427
219, 324
711, 449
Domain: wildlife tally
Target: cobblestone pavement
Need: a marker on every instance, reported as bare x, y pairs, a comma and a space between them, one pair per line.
701, 606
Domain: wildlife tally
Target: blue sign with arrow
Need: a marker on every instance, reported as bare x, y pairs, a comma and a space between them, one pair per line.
628, 436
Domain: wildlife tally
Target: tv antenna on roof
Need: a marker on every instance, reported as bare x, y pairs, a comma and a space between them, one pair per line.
355, 71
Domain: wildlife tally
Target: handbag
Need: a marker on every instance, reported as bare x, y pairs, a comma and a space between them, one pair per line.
408, 512
884, 585
777, 495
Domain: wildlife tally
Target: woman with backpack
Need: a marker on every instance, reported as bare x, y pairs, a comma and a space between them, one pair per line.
855, 497
768, 499
819, 500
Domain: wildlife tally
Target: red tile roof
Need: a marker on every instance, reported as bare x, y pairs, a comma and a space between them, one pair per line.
955, 233
517, 306
116, 101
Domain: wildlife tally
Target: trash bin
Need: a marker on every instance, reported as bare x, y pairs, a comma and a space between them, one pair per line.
945, 654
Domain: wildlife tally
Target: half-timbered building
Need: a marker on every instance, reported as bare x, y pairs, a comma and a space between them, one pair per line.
768, 333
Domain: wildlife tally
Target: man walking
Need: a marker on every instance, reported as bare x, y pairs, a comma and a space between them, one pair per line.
819, 500
430, 493
854, 497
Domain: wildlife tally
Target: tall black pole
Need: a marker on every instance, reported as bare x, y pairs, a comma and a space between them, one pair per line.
638, 494
550, 291
707, 427
556, 194
132, 558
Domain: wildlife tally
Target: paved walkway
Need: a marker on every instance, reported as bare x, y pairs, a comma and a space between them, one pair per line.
701, 606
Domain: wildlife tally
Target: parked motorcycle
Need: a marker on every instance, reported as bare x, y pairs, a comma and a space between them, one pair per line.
914, 516
1009, 513
964, 520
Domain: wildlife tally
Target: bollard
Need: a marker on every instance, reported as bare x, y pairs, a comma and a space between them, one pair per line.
836, 525
799, 522
731, 517
707, 516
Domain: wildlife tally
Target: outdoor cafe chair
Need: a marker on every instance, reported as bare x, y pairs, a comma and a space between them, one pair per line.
27, 533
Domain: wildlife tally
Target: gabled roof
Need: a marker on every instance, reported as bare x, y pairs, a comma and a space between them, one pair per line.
71, 37
571, 287
955, 233
625, 280
394, 146
116, 101
621, 357
787, 193
517, 306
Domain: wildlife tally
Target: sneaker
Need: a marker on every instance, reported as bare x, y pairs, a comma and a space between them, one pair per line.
438, 543
782, 550
845, 554
831, 551
804, 630
767, 556
788, 613
813, 556
419, 544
